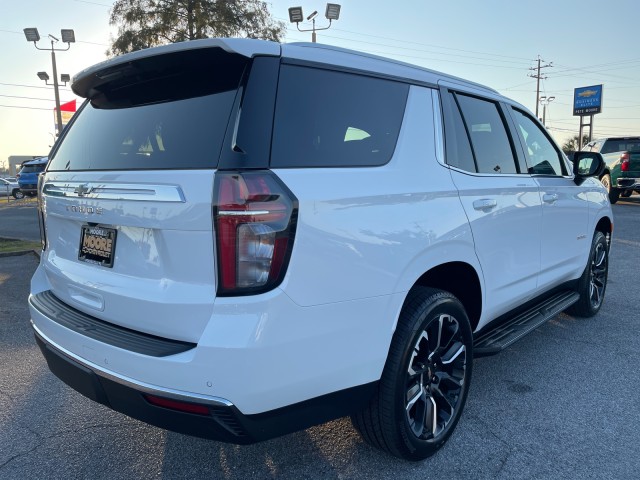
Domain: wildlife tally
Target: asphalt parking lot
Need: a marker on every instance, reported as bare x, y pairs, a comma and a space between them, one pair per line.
562, 403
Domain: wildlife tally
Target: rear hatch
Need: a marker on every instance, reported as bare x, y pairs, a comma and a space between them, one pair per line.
127, 196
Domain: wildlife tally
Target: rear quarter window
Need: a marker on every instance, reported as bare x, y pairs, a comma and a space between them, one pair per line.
335, 119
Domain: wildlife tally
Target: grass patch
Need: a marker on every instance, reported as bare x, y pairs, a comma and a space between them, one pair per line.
8, 245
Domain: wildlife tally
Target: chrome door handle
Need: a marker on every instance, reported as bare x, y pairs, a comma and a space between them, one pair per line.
485, 204
550, 198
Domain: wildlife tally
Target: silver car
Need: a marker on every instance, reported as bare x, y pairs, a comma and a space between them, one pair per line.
9, 186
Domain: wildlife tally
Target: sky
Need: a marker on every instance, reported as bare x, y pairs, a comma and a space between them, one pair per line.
493, 42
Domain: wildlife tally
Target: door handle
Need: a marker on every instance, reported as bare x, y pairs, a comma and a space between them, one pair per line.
549, 198
485, 204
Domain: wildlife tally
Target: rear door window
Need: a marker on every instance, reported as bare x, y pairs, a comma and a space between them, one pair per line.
335, 119
489, 139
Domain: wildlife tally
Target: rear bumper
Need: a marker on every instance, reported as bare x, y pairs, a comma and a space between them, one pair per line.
628, 183
222, 422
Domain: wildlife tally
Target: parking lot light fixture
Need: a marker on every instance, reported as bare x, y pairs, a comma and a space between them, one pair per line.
68, 37
295, 15
332, 13
65, 78
31, 34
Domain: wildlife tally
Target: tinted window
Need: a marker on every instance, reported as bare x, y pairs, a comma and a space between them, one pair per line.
459, 152
165, 111
33, 168
181, 134
542, 156
333, 119
491, 146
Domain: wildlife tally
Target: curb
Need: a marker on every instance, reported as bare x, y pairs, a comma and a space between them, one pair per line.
20, 253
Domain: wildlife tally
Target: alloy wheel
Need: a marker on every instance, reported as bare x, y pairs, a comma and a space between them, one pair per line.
435, 378
598, 277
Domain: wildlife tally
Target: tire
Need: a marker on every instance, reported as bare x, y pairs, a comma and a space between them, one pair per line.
17, 194
592, 285
411, 416
626, 193
614, 193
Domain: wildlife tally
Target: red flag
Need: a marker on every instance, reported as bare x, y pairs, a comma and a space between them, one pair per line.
68, 107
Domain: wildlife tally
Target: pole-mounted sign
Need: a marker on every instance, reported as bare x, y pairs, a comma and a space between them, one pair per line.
587, 100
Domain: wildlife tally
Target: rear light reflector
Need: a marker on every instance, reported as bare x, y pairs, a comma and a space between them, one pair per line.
177, 405
255, 219
624, 159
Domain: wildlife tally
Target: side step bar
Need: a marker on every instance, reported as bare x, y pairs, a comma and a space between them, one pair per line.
513, 329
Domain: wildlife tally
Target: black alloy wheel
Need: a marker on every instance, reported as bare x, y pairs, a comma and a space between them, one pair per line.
592, 285
426, 378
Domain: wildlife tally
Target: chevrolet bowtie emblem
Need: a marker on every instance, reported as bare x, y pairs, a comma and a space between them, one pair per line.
82, 190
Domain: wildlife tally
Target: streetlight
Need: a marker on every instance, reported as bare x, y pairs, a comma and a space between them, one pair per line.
544, 101
68, 37
331, 13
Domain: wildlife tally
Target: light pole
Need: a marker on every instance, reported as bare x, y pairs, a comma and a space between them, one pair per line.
544, 101
68, 37
331, 13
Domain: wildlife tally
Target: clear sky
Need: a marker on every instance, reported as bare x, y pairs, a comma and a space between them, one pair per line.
494, 42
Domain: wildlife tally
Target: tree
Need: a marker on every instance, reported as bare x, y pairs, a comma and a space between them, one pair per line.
147, 23
571, 145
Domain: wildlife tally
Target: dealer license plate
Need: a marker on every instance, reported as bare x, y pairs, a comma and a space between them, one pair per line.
97, 245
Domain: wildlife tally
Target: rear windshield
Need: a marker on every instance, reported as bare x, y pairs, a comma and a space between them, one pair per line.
622, 144
333, 119
173, 115
33, 168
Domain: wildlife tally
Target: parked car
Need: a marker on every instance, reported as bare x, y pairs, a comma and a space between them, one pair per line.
622, 157
9, 186
28, 175
243, 239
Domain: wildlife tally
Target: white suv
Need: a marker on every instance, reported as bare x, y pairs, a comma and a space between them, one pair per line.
242, 239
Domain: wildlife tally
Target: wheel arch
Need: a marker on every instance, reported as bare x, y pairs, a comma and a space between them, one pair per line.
605, 225
460, 279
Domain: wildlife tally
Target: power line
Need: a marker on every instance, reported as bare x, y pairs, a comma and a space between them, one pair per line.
28, 98
31, 86
29, 108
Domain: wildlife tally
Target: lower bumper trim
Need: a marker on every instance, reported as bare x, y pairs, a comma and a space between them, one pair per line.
224, 422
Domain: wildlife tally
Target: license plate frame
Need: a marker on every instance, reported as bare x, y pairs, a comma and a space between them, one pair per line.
97, 245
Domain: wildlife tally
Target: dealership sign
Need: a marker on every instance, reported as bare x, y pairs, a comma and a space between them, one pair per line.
587, 100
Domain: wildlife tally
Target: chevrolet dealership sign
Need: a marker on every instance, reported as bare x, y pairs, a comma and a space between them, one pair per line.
587, 100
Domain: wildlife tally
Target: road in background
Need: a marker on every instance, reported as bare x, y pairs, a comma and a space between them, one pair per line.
19, 219
561, 403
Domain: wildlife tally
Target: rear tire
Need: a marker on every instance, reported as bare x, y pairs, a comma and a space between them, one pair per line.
592, 285
425, 381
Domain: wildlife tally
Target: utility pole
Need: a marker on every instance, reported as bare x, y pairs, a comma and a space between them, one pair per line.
538, 77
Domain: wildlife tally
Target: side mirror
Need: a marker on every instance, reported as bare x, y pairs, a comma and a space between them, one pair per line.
587, 164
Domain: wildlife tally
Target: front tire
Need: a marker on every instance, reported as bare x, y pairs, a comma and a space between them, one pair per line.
614, 193
425, 380
592, 285
17, 194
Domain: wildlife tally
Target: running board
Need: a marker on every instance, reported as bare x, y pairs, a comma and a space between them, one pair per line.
513, 329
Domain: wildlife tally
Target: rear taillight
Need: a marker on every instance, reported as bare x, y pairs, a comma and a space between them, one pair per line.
624, 162
255, 220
